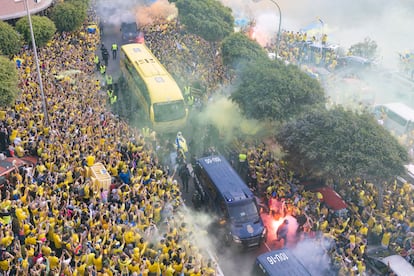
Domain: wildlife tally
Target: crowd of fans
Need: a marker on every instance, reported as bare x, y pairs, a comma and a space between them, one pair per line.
298, 48
344, 236
53, 217
192, 60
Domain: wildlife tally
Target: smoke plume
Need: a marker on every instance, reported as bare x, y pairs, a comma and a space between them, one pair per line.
346, 22
159, 10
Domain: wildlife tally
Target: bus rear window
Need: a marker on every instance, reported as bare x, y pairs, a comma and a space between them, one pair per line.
169, 111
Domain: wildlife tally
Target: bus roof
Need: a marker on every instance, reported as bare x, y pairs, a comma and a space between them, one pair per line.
401, 109
160, 83
228, 182
281, 263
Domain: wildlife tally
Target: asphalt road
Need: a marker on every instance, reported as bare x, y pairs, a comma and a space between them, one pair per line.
111, 34
231, 262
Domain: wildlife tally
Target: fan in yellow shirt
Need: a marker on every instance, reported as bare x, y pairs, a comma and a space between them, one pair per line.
134, 266
5, 260
53, 260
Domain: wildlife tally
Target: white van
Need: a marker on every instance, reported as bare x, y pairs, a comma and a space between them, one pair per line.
398, 265
382, 261
396, 117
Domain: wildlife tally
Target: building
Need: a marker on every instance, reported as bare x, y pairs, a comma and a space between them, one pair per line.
12, 9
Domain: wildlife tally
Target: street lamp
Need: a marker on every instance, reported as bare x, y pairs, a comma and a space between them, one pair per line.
39, 75
280, 24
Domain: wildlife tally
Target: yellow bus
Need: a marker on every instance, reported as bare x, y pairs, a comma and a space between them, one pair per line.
155, 89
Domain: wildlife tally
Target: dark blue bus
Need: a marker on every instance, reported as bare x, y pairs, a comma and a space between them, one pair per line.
225, 195
279, 263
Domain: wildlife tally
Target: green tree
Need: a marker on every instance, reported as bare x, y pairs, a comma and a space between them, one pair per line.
339, 144
10, 42
43, 29
8, 82
237, 48
206, 18
367, 48
68, 17
268, 89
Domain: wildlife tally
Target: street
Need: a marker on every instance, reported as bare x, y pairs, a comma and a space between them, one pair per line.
231, 261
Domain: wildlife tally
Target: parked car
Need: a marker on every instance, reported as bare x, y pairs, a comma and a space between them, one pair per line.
383, 261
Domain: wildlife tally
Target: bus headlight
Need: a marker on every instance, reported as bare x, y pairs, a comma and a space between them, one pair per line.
236, 239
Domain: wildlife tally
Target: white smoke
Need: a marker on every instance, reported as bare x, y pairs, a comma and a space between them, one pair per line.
312, 253
389, 23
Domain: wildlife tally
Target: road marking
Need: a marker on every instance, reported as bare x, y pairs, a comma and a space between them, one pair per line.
268, 248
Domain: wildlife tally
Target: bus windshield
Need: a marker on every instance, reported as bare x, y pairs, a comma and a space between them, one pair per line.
158, 94
243, 211
169, 111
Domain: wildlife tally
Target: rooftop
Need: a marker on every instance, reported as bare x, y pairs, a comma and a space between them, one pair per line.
11, 9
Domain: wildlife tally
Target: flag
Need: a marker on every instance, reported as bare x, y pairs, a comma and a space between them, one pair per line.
320, 20
316, 25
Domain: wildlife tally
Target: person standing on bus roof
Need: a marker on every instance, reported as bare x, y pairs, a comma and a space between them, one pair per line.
324, 39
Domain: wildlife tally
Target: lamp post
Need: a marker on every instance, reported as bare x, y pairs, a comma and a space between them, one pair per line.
280, 24
39, 75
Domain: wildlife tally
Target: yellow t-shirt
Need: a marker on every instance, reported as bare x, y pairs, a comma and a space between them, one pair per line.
30, 240
53, 262
154, 268
386, 239
97, 261
7, 240
90, 160
4, 265
133, 268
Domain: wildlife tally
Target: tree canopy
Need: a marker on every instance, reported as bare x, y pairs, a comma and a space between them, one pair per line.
8, 82
342, 144
271, 90
10, 41
238, 48
206, 18
367, 48
43, 29
68, 17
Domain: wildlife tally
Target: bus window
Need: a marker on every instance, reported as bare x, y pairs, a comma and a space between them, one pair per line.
396, 117
169, 111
